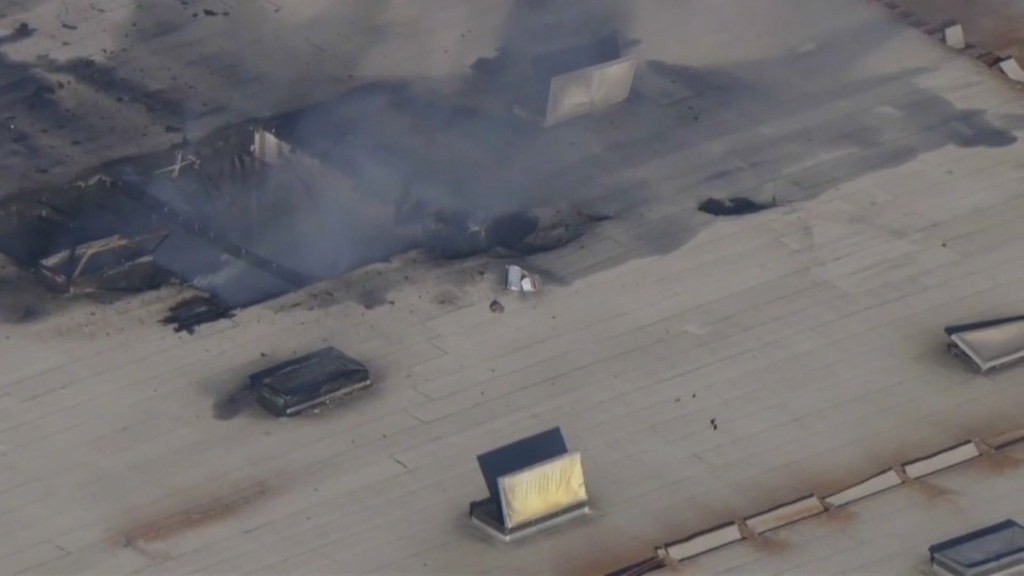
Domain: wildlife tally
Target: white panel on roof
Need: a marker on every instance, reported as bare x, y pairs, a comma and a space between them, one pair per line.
993, 344
581, 91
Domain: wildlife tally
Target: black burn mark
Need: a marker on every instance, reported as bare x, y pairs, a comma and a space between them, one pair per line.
22, 31
105, 79
736, 206
371, 299
233, 404
512, 234
452, 170
28, 110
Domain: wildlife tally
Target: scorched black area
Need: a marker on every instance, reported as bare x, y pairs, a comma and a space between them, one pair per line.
259, 209
112, 235
520, 233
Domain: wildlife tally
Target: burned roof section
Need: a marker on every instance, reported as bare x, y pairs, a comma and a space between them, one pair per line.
733, 206
247, 214
115, 263
455, 235
450, 164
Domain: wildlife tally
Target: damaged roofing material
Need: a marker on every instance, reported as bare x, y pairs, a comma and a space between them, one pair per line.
114, 263
733, 206
86, 240
260, 208
988, 344
454, 235
100, 232
519, 280
246, 214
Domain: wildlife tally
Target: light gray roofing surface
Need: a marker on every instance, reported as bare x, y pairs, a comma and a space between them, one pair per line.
810, 333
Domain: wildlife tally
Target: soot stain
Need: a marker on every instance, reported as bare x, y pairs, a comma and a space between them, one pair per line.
735, 206
463, 195
190, 516
371, 299
233, 404
105, 78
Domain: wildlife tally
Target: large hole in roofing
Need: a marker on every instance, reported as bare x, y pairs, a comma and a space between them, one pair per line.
262, 208
247, 214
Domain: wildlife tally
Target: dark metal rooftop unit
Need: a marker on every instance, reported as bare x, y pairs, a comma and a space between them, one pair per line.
113, 263
996, 550
307, 381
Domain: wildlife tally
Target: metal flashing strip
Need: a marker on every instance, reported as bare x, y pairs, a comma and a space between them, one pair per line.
878, 483
701, 542
941, 460
723, 535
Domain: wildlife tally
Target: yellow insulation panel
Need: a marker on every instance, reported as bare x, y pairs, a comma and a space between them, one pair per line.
543, 489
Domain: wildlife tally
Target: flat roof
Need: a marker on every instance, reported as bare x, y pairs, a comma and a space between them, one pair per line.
889, 533
706, 369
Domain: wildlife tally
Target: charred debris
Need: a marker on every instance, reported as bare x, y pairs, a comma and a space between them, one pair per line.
189, 314
270, 205
734, 206
222, 214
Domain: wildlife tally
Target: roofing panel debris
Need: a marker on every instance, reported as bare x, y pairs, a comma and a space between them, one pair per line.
106, 264
222, 208
189, 314
736, 206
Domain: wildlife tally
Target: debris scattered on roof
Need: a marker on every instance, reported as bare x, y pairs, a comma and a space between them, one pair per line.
114, 263
733, 206
519, 280
954, 37
221, 202
454, 235
1012, 69
189, 314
